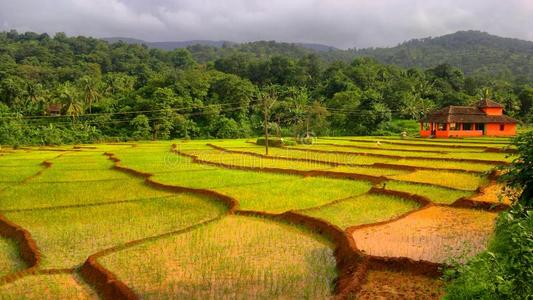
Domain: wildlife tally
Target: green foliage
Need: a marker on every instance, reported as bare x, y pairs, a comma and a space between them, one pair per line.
141, 126
273, 142
397, 127
228, 128
119, 91
505, 271
519, 175
476, 53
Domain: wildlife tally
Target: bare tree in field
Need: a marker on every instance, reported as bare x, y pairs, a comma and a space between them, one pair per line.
268, 98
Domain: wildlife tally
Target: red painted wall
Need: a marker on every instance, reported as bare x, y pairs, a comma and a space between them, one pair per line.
493, 129
493, 111
425, 133
461, 133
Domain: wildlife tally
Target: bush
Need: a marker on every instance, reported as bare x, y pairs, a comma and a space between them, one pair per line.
396, 127
289, 142
226, 128
141, 127
16, 132
519, 174
274, 142
505, 270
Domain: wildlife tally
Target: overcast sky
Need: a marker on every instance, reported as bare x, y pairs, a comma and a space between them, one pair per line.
340, 23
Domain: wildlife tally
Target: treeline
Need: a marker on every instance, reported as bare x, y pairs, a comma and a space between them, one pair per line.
478, 54
63, 89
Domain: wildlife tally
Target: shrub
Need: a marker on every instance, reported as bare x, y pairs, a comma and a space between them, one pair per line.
396, 127
505, 271
226, 128
274, 142
519, 174
141, 127
289, 143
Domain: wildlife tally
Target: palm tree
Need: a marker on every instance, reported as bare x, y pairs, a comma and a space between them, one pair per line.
486, 93
90, 92
35, 95
69, 98
295, 108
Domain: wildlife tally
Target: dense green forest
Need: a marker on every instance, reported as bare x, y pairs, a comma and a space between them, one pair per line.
77, 89
477, 53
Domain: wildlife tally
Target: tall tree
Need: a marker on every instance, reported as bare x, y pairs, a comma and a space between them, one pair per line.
69, 97
91, 95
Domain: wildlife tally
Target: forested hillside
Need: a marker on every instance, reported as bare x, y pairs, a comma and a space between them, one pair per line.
476, 53
76, 89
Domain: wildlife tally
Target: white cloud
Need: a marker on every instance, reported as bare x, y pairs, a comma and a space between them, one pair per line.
342, 23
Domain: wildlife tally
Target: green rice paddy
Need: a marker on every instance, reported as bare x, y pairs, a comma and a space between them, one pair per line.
434, 193
364, 209
78, 204
56, 286
10, 260
237, 257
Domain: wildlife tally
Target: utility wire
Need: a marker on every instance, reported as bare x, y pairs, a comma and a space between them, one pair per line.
122, 113
330, 110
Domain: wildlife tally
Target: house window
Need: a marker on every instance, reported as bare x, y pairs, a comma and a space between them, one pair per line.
453, 126
442, 126
502, 127
480, 126
425, 126
467, 126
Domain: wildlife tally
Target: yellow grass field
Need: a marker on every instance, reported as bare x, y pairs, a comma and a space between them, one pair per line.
217, 219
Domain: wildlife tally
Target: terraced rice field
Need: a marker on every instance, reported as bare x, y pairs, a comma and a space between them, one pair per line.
364, 209
238, 257
219, 219
427, 234
382, 284
9, 258
55, 286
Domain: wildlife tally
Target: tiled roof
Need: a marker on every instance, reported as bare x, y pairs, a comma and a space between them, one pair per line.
487, 103
54, 107
465, 114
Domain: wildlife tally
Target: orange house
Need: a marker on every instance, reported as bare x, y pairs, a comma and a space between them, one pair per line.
486, 118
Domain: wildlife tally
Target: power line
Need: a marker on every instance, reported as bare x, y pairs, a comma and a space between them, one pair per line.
37, 118
122, 113
117, 121
330, 109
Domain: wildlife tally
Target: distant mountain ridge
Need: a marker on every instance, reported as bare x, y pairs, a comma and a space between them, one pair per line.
168, 45
475, 52
171, 45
